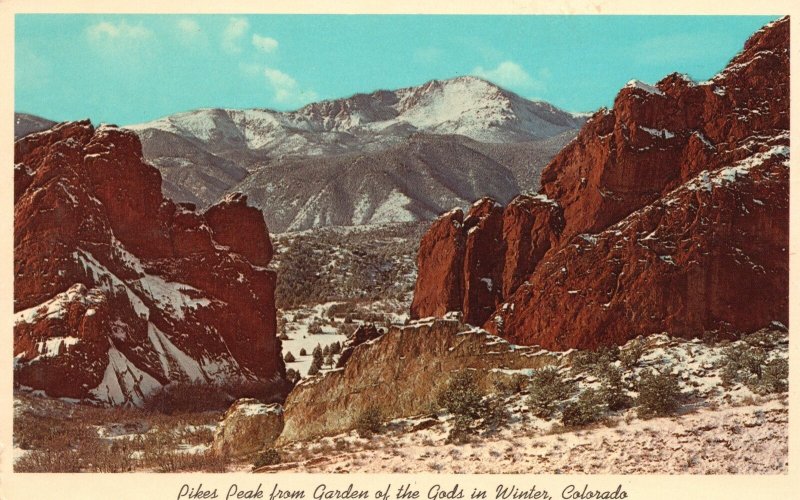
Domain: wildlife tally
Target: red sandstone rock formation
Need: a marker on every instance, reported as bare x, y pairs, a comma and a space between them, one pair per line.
118, 291
668, 212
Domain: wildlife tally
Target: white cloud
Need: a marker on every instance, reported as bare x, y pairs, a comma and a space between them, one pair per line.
264, 43
282, 84
285, 87
509, 74
428, 55
250, 69
189, 31
233, 33
105, 31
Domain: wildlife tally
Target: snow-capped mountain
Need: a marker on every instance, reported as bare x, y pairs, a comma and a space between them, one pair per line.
470, 128
466, 106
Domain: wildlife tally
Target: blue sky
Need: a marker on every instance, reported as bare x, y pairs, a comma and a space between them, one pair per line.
134, 68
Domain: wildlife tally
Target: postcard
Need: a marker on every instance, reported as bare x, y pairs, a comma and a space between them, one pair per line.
398, 251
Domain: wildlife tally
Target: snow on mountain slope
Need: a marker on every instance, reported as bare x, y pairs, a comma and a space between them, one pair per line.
466, 106
203, 154
413, 181
25, 124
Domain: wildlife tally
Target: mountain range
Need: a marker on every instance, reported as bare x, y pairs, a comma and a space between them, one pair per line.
388, 156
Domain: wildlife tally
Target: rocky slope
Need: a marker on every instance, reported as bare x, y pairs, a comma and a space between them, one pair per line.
25, 124
735, 388
117, 291
413, 181
657, 217
392, 156
416, 360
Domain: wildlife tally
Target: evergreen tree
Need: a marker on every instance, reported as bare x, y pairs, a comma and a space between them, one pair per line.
317, 356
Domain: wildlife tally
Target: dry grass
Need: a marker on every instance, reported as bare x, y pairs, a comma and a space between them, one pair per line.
61, 437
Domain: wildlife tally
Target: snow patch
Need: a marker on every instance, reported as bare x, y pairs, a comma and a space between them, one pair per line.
638, 84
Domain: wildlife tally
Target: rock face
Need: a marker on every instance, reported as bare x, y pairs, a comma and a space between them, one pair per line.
248, 427
418, 360
364, 333
118, 291
668, 212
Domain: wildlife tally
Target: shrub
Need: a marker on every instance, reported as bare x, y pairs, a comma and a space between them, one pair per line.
369, 422
495, 414
775, 377
612, 390
659, 394
289, 357
49, 461
516, 384
547, 388
595, 362
461, 430
268, 457
336, 348
314, 368
172, 461
461, 396
630, 356
293, 375
315, 328
766, 339
187, 397
585, 410
748, 365
303, 352
347, 329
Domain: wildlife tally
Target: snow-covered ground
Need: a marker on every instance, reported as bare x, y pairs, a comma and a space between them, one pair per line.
750, 439
719, 428
300, 320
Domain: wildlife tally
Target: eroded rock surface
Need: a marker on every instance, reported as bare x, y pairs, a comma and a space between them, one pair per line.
668, 212
118, 291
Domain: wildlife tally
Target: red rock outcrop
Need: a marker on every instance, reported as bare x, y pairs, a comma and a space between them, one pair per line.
669, 213
118, 291
469, 264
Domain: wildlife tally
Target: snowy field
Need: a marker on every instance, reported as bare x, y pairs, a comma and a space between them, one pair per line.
750, 439
299, 328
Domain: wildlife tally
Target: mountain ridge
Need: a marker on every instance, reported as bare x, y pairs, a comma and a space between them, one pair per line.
207, 153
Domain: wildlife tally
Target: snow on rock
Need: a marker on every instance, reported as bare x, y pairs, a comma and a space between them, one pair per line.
119, 291
661, 133
640, 85
393, 209
123, 383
